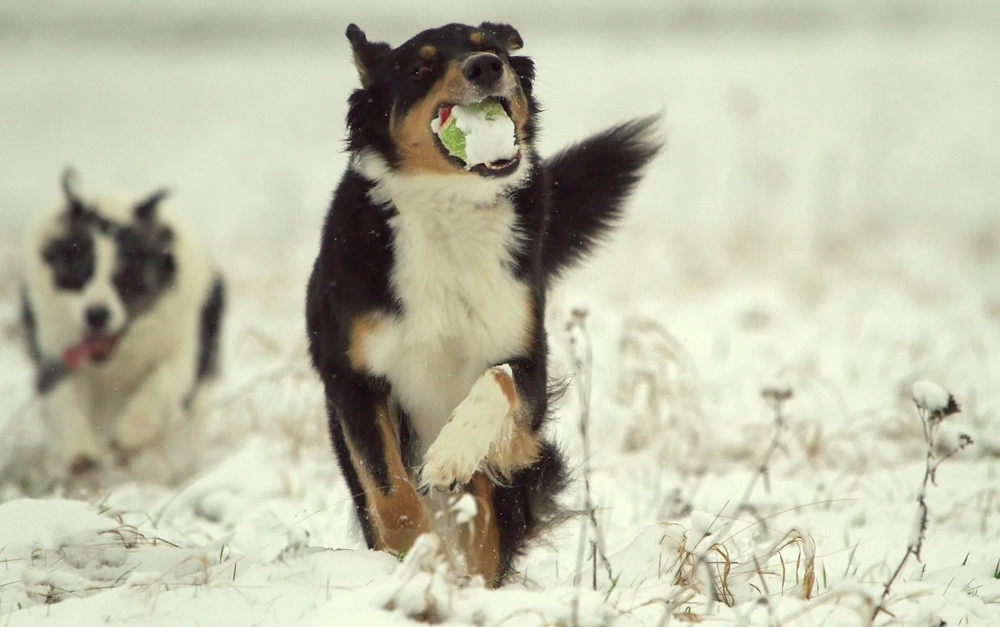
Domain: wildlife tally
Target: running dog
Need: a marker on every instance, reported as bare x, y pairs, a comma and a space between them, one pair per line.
425, 308
122, 309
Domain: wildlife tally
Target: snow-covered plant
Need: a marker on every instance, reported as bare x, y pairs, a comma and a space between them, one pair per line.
423, 587
580, 350
934, 404
658, 383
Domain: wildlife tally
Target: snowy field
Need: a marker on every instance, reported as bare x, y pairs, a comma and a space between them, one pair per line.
825, 221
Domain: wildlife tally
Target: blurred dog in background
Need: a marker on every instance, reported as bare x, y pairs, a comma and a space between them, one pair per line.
122, 309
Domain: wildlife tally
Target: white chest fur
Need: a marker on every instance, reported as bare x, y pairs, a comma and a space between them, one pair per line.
463, 310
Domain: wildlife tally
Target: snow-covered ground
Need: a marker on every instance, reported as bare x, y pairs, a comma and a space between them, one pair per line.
825, 220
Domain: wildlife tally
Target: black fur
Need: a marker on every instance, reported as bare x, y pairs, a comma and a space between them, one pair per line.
590, 182
47, 373
394, 82
71, 256
211, 327
528, 507
563, 208
146, 267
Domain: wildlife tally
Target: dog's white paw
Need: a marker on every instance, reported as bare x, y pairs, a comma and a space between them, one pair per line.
466, 438
453, 457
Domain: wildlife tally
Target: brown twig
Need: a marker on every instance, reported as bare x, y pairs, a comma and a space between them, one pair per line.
931, 418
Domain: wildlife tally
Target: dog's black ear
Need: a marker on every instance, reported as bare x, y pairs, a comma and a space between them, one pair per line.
145, 210
505, 33
368, 56
74, 204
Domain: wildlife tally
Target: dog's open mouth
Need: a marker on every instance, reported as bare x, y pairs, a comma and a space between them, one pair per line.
480, 137
93, 347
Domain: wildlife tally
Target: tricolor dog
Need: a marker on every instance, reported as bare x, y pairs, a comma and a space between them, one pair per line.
425, 309
122, 308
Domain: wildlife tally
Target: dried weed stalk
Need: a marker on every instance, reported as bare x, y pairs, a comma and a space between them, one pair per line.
775, 399
659, 385
582, 355
934, 404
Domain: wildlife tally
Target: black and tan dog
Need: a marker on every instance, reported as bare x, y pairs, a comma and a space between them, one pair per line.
425, 309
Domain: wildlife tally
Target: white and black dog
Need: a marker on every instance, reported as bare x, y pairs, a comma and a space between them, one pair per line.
122, 309
426, 305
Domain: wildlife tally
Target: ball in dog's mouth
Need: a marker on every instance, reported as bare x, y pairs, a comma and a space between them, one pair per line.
480, 135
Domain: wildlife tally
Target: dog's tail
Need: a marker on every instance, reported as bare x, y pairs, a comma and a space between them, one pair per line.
590, 182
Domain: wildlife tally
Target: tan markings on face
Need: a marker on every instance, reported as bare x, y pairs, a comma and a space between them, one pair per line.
362, 330
519, 112
476, 39
428, 52
412, 132
413, 135
397, 515
482, 536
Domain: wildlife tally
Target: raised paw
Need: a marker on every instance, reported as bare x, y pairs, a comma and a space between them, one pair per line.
451, 460
465, 440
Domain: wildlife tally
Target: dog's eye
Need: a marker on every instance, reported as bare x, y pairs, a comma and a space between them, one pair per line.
492, 50
421, 70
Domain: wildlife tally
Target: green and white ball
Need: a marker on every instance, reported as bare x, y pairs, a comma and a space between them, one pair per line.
476, 133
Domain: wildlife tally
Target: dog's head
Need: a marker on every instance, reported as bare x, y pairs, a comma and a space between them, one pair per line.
106, 268
406, 88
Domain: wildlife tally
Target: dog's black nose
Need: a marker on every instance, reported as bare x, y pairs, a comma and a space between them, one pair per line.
484, 69
97, 316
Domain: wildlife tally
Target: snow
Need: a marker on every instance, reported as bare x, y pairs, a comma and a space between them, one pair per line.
824, 220
488, 138
464, 509
47, 524
489, 133
931, 397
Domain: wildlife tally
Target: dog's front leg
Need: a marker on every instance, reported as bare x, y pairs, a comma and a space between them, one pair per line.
493, 430
73, 447
364, 438
159, 401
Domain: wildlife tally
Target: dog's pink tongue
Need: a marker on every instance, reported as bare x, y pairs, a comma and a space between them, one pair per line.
90, 348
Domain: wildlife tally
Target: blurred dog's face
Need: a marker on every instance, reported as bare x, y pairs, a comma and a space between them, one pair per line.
406, 88
105, 272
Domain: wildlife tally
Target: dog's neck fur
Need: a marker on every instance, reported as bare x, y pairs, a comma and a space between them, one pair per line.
454, 243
